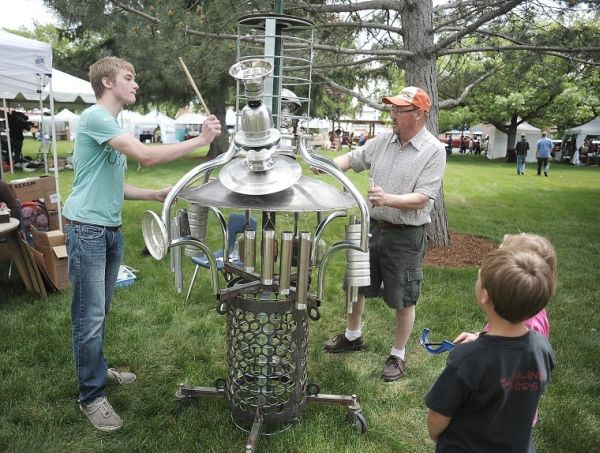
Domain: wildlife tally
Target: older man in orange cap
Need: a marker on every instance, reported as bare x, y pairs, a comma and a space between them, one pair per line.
407, 166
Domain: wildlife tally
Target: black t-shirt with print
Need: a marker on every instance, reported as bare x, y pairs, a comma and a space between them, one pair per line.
491, 388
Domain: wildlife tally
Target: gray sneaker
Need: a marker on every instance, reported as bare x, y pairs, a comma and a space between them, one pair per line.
120, 377
102, 415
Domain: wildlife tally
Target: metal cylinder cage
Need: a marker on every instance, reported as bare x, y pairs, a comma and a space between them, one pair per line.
267, 360
287, 42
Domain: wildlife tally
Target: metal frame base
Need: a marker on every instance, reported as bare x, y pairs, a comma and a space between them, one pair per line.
187, 394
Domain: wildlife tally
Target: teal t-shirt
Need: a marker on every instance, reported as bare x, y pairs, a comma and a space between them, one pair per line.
99, 183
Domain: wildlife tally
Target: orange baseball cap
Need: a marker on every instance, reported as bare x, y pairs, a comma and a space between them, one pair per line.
410, 96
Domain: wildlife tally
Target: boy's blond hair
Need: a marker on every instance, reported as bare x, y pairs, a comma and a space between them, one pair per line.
106, 67
519, 282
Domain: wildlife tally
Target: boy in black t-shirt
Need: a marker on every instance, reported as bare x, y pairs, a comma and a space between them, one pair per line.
487, 395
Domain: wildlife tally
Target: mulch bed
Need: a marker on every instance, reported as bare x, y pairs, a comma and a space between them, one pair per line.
464, 251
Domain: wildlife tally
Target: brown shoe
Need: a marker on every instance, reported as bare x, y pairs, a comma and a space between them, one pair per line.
340, 343
394, 369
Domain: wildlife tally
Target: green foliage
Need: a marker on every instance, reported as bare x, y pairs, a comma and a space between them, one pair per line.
166, 341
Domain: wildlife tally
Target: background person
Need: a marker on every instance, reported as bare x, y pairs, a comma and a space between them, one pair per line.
521, 149
544, 148
156, 135
407, 165
17, 122
486, 397
93, 213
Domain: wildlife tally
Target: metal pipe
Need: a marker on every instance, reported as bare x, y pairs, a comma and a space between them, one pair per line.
176, 257
303, 271
351, 298
249, 250
321, 163
285, 262
214, 277
319, 231
268, 241
184, 223
343, 245
223, 224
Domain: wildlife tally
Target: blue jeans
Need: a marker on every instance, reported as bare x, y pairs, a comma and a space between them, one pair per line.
521, 164
94, 258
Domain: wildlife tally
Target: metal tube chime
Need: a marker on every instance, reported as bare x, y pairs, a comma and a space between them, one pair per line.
176, 256
249, 250
285, 262
303, 270
267, 257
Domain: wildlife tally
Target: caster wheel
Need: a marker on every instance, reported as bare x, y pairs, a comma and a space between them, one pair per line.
359, 421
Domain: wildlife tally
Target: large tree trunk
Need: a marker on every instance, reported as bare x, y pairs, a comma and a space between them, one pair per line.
417, 23
216, 103
510, 130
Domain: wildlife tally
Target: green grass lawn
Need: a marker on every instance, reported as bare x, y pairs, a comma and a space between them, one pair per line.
166, 341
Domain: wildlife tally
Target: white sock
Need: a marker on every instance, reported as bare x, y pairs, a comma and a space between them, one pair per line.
398, 352
353, 334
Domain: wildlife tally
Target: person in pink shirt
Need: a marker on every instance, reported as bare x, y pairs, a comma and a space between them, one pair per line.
541, 246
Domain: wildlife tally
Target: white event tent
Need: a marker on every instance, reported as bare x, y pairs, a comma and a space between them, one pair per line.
25, 70
166, 123
66, 122
186, 123
581, 132
498, 140
26, 73
25, 67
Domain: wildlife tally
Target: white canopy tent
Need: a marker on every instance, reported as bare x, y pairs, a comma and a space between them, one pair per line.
188, 122
128, 119
166, 123
65, 88
139, 124
26, 73
498, 140
190, 118
25, 69
582, 131
66, 122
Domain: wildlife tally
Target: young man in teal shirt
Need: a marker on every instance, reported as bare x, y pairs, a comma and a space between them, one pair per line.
93, 213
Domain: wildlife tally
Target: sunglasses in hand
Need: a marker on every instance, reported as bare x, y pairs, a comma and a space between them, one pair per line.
434, 348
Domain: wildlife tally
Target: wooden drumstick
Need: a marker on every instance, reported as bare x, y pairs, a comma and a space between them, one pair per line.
189, 76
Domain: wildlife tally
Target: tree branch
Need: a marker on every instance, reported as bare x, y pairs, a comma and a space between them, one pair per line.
463, 50
360, 97
447, 103
136, 12
443, 43
394, 5
361, 24
362, 61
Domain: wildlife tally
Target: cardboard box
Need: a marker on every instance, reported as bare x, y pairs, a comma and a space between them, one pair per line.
61, 164
52, 245
53, 220
38, 187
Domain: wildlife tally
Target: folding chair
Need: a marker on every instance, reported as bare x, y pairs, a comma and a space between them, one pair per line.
236, 223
